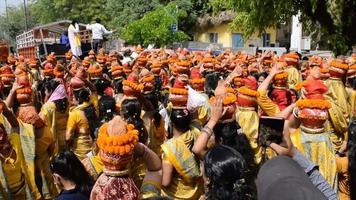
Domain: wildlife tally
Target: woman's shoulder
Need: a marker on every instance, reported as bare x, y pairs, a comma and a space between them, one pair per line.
71, 194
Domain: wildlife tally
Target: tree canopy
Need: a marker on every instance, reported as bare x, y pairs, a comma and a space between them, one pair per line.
335, 19
156, 27
83, 10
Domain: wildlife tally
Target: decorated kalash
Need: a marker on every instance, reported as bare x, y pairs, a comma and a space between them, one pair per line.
141, 127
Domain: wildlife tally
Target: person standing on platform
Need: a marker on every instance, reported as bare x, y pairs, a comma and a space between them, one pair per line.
74, 38
98, 31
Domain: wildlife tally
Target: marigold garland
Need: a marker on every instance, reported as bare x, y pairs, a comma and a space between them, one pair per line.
281, 75
7, 75
313, 103
300, 85
353, 67
118, 144
209, 60
198, 81
183, 63
229, 99
336, 64
57, 72
230, 90
147, 79
116, 68
137, 87
178, 91
248, 92
95, 71
26, 90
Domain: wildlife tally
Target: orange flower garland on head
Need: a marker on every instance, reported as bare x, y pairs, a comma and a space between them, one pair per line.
58, 71
313, 103
116, 141
95, 71
280, 79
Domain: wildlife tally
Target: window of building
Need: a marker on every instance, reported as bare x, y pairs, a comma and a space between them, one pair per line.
213, 37
266, 39
237, 40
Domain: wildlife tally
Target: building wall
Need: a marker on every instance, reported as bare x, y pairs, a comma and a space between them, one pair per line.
225, 36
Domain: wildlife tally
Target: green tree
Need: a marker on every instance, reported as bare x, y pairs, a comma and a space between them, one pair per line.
334, 18
155, 28
124, 12
83, 10
13, 23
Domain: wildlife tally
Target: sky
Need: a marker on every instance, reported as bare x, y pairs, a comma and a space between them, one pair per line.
12, 3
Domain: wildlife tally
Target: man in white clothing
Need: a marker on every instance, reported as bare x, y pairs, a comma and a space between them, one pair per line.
98, 31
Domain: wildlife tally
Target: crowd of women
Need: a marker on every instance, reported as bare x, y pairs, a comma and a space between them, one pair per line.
177, 124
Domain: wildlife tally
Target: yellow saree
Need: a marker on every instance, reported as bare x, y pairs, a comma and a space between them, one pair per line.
351, 99
248, 119
78, 125
339, 112
57, 122
317, 147
186, 179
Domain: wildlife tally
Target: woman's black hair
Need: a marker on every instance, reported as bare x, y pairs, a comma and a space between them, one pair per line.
107, 107
100, 85
68, 166
154, 101
225, 168
181, 119
352, 82
230, 134
352, 158
83, 95
258, 75
74, 21
61, 104
131, 110
211, 82
118, 86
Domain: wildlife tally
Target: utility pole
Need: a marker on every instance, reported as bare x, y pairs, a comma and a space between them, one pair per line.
25, 12
7, 15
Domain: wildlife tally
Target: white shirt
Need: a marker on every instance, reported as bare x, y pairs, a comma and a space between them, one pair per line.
98, 31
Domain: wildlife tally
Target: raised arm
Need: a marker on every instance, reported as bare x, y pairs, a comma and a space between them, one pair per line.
105, 31
200, 144
10, 116
265, 84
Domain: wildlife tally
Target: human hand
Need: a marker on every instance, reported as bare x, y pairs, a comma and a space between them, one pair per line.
286, 147
220, 89
15, 86
274, 70
217, 110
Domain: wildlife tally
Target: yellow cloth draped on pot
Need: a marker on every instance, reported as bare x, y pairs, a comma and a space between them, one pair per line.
248, 120
44, 150
78, 125
339, 112
266, 104
57, 121
204, 111
351, 99
186, 179
294, 76
93, 165
318, 148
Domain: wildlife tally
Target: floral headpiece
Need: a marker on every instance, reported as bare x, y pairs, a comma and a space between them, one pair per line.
116, 141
